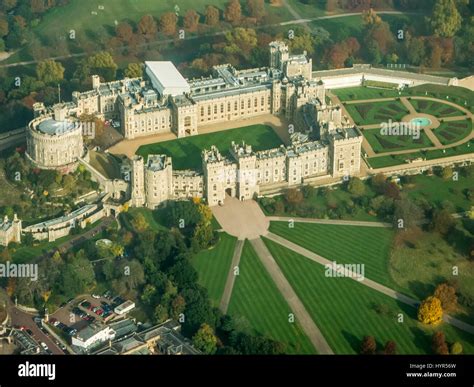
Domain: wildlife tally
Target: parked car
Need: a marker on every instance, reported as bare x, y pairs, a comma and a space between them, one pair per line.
99, 311
96, 296
85, 304
29, 331
44, 346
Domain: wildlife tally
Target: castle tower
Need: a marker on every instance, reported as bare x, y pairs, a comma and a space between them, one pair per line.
17, 228
95, 81
138, 182
158, 180
184, 116
344, 152
279, 54
276, 97
247, 185
214, 176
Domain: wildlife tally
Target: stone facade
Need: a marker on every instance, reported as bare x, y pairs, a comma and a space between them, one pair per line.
55, 141
245, 172
324, 144
10, 231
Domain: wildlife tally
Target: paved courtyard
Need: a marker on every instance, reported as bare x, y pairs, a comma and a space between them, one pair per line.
241, 219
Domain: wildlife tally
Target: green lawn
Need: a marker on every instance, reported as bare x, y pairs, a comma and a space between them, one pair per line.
213, 265
459, 95
363, 92
420, 268
186, 152
346, 311
388, 143
24, 254
437, 109
92, 24
388, 161
154, 218
454, 131
435, 190
344, 244
257, 298
376, 112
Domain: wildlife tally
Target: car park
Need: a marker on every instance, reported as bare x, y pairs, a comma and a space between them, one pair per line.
85, 304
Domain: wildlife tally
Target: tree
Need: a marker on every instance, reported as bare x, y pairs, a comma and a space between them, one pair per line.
205, 340
447, 295
147, 26
409, 213
445, 20
256, 8
240, 41
233, 11
356, 186
178, 305
338, 55
124, 32
436, 53
161, 314
212, 15
168, 22
191, 20
438, 344
443, 222
368, 346
371, 18
456, 348
3, 27
390, 348
140, 223
430, 311
293, 197
49, 71
102, 64
134, 70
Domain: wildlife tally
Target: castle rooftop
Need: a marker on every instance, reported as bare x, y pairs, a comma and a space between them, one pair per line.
156, 162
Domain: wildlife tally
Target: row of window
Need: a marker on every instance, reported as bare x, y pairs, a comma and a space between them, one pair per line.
236, 106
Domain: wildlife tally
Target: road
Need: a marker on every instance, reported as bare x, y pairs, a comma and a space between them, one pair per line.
229, 285
107, 221
338, 222
296, 306
367, 282
23, 319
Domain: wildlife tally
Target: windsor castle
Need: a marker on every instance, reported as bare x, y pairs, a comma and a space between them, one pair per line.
323, 143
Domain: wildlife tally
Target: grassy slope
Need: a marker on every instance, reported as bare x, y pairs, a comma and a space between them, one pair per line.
346, 311
344, 244
213, 266
257, 298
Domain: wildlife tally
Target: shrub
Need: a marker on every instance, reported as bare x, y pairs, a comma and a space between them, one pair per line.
456, 348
